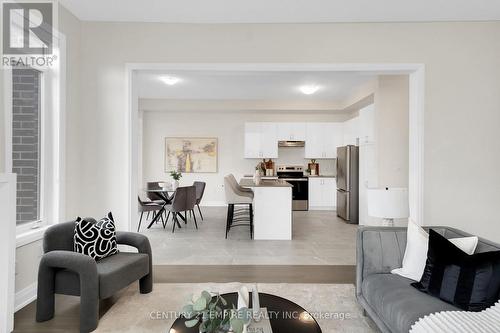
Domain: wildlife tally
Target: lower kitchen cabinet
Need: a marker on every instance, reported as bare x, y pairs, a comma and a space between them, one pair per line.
322, 193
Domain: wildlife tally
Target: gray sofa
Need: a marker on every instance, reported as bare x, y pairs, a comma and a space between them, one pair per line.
390, 301
63, 271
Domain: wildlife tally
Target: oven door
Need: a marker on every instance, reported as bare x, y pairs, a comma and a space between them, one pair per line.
300, 193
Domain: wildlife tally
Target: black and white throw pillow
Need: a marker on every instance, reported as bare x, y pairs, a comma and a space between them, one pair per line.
95, 239
470, 282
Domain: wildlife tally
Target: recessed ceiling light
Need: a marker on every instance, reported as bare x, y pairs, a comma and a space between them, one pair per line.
170, 80
309, 89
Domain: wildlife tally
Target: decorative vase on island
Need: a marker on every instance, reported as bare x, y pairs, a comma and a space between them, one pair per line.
175, 184
256, 177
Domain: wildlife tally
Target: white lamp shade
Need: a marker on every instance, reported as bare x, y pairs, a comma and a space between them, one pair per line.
389, 203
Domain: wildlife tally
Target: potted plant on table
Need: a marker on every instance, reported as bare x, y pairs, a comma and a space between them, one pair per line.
213, 315
176, 175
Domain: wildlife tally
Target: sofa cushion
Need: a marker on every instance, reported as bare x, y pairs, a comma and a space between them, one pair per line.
115, 272
398, 304
120, 270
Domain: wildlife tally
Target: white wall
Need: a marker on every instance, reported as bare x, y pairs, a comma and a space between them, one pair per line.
461, 103
27, 261
70, 26
385, 163
391, 127
228, 127
2, 123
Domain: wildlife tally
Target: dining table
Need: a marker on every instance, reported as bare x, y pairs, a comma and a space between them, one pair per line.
167, 195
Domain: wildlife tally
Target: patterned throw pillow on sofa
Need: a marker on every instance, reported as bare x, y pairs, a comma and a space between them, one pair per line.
95, 239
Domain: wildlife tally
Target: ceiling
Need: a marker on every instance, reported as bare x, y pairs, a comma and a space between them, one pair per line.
264, 86
283, 11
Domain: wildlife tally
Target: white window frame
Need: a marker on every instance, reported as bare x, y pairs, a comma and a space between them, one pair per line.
52, 143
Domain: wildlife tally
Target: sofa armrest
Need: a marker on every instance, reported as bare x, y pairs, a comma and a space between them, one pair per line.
378, 250
70, 260
86, 268
140, 242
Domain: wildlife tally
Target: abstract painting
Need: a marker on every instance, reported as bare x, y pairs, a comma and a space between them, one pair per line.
191, 155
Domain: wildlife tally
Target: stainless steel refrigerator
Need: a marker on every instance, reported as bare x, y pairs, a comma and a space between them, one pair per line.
348, 183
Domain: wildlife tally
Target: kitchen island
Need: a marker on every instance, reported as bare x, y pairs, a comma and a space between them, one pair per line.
272, 204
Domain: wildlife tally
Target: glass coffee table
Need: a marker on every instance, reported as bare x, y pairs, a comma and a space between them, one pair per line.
285, 316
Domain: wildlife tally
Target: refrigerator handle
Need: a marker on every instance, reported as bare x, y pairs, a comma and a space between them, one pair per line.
348, 169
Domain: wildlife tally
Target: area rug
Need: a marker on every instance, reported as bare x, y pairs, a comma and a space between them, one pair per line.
334, 304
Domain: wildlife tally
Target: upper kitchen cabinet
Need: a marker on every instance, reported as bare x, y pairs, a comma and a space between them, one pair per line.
322, 140
351, 131
261, 140
291, 131
367, 124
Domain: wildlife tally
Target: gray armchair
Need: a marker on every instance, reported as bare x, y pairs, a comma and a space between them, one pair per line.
63, 271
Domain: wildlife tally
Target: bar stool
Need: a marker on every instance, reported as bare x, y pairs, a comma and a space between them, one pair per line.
235, 196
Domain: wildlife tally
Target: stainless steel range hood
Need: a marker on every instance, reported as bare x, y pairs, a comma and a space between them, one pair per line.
291, 143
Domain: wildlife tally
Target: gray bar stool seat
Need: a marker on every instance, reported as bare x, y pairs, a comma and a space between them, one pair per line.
237, 195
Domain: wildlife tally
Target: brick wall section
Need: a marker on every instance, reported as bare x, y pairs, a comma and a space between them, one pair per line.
25, 141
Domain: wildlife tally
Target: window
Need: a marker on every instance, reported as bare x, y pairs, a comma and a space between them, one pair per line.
26, 137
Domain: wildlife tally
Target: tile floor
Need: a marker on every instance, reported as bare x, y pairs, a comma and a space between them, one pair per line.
319, 238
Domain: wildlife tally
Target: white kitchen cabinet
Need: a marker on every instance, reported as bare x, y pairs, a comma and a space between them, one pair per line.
315, 192
322, 140
351, 131
269, 140
261, 140
291, 131
322, 193
367, 124
333, 134
314, 140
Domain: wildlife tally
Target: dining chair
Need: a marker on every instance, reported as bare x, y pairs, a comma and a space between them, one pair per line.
146, 206
235, 197
154, 197
184, 200
200, 189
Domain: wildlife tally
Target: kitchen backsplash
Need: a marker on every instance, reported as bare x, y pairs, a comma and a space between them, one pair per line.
294, 156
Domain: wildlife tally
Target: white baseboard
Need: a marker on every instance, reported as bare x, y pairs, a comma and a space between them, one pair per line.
25, 297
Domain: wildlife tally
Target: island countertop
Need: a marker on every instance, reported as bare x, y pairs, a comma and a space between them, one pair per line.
247, 182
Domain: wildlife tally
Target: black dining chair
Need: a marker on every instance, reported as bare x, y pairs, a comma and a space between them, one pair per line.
147, 206
184, 200
200, 189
